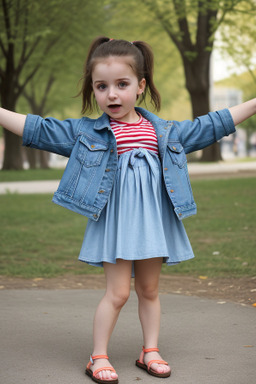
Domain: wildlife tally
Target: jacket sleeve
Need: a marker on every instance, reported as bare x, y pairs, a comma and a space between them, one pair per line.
50, 134
204, 130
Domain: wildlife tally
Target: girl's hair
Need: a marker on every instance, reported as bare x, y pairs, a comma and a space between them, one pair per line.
142, 65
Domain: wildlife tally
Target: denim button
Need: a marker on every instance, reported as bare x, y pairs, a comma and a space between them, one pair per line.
95, 216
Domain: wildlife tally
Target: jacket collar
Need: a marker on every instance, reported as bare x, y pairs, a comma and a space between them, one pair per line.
103, 120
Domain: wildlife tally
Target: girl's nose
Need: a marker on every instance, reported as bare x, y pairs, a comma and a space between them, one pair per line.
112, 94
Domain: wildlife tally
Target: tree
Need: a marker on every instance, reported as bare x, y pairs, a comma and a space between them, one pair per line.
38, 107
191, 26
237, 42
30, 33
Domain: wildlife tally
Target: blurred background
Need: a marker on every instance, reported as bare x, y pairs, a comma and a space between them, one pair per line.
205, 58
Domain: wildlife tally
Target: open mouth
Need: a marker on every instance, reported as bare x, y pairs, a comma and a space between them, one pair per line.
114, 106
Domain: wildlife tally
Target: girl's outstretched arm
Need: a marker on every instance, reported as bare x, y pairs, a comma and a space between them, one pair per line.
243, 111
12, 121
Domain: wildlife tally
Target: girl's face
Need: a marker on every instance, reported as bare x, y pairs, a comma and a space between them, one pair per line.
116, 88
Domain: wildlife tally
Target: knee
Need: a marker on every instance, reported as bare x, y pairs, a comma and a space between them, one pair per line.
147, 292
118, 299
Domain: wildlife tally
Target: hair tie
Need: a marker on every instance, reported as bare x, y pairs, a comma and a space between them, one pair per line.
111, 39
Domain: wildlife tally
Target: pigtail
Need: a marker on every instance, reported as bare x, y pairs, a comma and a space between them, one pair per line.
148, 73
87, 90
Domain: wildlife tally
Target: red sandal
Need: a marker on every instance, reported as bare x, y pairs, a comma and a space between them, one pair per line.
140, 363
92, 374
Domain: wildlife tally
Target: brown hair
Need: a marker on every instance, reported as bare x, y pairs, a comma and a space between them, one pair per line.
142, 54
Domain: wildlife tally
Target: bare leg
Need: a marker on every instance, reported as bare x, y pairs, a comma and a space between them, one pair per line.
147, 273
118, 279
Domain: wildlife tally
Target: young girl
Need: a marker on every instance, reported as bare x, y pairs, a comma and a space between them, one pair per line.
127, 172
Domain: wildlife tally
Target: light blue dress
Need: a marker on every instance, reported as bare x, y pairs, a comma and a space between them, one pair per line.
138, 222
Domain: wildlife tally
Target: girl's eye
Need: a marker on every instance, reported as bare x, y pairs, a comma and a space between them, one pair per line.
122, 84
101, 87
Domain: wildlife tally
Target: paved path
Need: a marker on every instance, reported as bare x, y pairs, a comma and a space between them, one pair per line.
196, 170
46, 339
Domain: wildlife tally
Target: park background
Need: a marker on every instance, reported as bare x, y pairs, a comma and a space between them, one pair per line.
205, 55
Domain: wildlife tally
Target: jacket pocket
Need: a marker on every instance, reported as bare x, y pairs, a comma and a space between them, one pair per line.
177, 153
90, 152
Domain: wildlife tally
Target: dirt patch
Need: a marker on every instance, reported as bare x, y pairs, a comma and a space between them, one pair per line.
238, 290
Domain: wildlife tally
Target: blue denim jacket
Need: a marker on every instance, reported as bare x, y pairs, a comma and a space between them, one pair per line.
91, 147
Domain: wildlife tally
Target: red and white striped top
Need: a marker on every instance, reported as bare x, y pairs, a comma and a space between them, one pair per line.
134, 135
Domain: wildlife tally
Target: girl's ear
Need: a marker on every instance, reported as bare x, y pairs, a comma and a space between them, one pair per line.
141, 87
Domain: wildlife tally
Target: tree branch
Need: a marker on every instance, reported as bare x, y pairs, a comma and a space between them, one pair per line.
21, 88
17, 18
24, 58
3, 48
47, 89
205, 28
2, 74
180, 10
7, 20
25, 29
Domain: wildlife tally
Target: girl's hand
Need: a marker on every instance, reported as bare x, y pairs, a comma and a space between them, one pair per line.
12, 121
243, 111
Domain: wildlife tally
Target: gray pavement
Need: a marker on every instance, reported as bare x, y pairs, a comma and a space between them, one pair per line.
46, 338
196, 170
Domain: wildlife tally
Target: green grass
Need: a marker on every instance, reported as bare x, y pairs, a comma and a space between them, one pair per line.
31, 175
223, 233
40, 239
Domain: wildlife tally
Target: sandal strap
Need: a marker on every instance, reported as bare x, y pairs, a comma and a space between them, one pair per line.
103, 369
98, 357
157, 362
146, 350
92, 358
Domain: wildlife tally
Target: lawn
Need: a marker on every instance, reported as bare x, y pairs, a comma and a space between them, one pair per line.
31, 174
40, 239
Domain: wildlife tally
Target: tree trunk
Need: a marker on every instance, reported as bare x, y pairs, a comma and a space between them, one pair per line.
12, 143
37, 158
197, 83
12, 151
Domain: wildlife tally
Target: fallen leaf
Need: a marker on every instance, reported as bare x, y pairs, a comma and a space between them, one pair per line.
203, 277
254, 304
248, 346
38, 279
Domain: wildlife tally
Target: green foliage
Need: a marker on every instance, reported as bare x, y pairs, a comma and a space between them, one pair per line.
238, 37
40, 239
46, 39
223, 232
